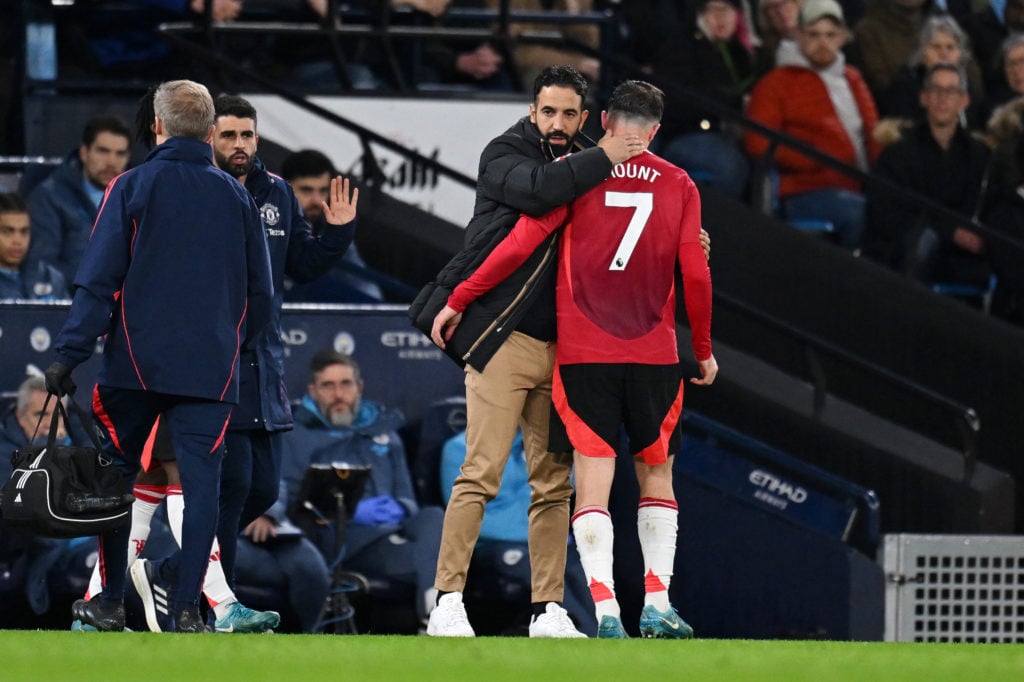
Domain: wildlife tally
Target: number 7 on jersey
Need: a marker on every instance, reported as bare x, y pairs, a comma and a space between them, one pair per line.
643, 203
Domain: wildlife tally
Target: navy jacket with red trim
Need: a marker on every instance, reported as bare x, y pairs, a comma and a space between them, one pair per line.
175, 271
296, 252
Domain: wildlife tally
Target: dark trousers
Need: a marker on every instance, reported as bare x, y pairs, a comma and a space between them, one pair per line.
292, 567
248, 487
404, 554
197, 430
927, 259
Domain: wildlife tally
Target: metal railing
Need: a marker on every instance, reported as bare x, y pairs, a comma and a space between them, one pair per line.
966, 419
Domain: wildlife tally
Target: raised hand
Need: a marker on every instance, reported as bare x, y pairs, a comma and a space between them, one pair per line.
340, 207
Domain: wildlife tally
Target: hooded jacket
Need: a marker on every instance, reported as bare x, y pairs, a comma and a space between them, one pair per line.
372, 440
793, 98
35, 281
62, 216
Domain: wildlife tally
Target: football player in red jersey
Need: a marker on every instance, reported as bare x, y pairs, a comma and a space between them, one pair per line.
617, 359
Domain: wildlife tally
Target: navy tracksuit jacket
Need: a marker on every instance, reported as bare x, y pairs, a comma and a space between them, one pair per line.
176, 274
252, 464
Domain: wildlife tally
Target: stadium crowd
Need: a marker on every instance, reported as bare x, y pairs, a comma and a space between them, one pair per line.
861, 68
918, 95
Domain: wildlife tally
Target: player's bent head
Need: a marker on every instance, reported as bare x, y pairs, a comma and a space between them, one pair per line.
636, 101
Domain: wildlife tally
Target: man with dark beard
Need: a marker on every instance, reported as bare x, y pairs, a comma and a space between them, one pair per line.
251, 470
390, 536
252, 463
508, 349
511, 333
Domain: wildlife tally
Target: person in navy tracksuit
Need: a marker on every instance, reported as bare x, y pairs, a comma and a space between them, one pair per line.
176, 275
252, 464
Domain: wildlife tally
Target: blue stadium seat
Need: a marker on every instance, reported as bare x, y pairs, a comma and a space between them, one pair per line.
977, 293
809, 225
443, 419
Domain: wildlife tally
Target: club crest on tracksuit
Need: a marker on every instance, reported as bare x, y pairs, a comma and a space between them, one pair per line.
271, 215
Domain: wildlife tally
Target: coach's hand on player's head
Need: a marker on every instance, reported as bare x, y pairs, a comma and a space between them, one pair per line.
620, 148
708, 371
444, 326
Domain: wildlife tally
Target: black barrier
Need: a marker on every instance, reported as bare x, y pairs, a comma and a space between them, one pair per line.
881, 317
769, 479
401, 367
745, 572
743, 569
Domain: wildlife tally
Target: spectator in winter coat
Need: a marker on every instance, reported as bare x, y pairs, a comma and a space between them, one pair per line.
939, 159
814, 96
64, 205
716, 58
942, 41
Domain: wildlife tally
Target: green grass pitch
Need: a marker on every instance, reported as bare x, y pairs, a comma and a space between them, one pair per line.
141, 657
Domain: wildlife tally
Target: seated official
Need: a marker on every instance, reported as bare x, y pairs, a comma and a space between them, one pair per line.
389, 537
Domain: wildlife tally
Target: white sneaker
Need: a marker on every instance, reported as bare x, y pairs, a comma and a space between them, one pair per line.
449, 619
554, 622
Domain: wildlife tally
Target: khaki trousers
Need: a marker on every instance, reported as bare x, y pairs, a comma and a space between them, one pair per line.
514, 390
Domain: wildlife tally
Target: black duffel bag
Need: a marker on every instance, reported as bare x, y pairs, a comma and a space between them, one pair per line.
65, 491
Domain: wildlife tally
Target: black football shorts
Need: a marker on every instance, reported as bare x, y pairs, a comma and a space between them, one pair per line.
594, 403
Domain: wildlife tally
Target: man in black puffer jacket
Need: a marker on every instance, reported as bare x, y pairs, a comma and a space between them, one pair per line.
532, 168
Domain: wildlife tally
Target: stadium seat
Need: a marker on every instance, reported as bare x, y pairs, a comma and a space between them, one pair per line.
981, 294
442, 419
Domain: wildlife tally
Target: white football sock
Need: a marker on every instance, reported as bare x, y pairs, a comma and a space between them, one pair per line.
147, 499
215, 585
657, 526
592, 527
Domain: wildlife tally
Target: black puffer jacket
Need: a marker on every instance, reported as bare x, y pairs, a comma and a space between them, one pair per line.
517, 175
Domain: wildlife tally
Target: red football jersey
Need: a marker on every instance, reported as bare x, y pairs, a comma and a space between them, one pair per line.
619, 250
